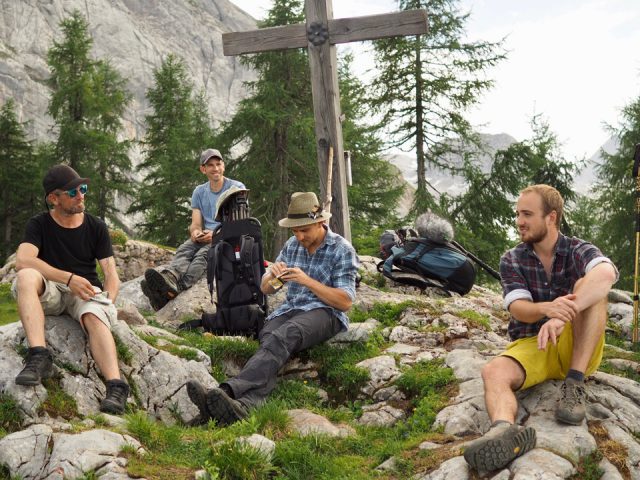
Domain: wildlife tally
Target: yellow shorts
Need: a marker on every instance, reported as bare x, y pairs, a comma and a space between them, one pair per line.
552, 363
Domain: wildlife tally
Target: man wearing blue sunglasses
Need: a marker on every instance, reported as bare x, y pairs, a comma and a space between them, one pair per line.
56, 264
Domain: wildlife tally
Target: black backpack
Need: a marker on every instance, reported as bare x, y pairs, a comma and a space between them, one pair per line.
235, 266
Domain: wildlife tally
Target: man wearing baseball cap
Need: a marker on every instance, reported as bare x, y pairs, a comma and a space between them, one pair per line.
319, 269
56, 265
190, 261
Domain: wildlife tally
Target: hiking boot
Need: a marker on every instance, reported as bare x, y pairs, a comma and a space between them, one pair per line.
571, 406
198, 395
116, 397
224, 409
38, 366
499, 446
162, 282
156, 300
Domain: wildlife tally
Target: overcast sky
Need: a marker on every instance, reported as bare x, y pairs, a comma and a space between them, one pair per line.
576, 62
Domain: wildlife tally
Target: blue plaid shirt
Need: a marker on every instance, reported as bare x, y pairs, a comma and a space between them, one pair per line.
334, 263
523, 277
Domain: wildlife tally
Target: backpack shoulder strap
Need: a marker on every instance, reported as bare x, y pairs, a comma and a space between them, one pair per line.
212, 262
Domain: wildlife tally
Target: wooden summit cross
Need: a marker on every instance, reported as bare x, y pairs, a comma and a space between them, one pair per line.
320, 34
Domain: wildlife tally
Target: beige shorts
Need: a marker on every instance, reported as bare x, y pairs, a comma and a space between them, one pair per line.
57, 299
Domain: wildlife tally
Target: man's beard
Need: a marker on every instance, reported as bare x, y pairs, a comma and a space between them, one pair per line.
73, 210
536, 237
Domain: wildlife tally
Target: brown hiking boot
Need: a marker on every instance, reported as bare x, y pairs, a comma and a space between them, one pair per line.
571, 406
162, 282
499, 446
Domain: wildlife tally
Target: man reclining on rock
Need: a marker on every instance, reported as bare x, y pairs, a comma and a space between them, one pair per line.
190, 261
555, 288
56, 275
319, 268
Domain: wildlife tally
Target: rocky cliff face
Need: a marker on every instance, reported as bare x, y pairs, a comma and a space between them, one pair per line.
135, 35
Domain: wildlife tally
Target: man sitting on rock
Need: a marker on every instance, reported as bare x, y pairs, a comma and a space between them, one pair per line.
319, 268
555, 288
56, 274
190, 260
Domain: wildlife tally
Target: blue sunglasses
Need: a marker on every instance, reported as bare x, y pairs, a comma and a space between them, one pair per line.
74, 191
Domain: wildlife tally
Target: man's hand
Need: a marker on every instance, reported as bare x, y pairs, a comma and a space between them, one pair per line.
294, 274
551, 330
81, 287
201, 236
562, 308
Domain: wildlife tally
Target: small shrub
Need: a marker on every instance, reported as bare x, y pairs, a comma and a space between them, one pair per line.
386, 313
295, 394
589, 468
118, 237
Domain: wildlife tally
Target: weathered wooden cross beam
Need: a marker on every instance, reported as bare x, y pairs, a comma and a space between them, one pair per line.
319, 35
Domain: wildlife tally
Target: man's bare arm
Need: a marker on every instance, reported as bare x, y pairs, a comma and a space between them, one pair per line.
111, 278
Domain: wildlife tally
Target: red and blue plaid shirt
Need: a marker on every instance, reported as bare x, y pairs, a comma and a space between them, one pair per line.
523, 277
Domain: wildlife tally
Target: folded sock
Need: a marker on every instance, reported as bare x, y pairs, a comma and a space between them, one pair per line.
576, 375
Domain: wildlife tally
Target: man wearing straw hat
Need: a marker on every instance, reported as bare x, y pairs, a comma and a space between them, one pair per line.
319, 268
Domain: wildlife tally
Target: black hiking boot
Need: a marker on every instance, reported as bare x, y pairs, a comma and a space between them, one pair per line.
38, 365
198, 395
224, 409
116, 397
499, 446
156, 300
162, 282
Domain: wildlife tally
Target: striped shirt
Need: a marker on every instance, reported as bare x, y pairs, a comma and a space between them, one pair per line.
523, 276
334, 264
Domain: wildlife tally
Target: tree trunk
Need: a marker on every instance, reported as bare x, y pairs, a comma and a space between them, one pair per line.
280, 234
420, 142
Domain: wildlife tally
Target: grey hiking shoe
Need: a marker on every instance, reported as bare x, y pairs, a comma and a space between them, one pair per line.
38, 365
571, 406
499, 446
162, 282
116, 398
156, 300
224, 409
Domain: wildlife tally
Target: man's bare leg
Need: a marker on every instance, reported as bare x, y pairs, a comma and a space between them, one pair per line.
30, 286
102, 346
501, 377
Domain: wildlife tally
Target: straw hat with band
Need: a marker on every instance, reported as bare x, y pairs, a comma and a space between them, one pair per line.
304, 209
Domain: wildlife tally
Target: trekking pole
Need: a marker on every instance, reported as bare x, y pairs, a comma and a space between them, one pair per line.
486, 267
636, 176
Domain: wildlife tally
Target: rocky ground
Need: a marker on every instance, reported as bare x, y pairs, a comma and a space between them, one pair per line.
465, 332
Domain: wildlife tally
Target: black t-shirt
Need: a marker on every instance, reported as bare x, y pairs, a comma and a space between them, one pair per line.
72, 249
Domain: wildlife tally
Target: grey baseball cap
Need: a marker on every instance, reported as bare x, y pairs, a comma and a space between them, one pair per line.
209, 153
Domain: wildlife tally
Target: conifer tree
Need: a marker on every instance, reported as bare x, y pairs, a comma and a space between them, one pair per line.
178, 130
21, 192
615, 191
87, 103
425, 84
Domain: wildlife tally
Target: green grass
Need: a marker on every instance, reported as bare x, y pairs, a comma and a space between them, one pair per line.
220, 349
8, 306
123, 351
58, 402
387, 313
475, 319
10, 415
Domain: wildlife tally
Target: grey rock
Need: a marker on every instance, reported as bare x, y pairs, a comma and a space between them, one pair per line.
609, 471
389, 465
402, 349
620, 296
307, 423
26, 453
129, 314
454, 468
541, 464
466, 364
382, 372
381, 415
568, 441
259, 443
357, 332
629, 443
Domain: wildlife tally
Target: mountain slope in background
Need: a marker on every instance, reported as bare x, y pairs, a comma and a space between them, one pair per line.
135, 35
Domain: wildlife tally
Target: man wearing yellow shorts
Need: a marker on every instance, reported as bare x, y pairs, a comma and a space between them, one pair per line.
555, 288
